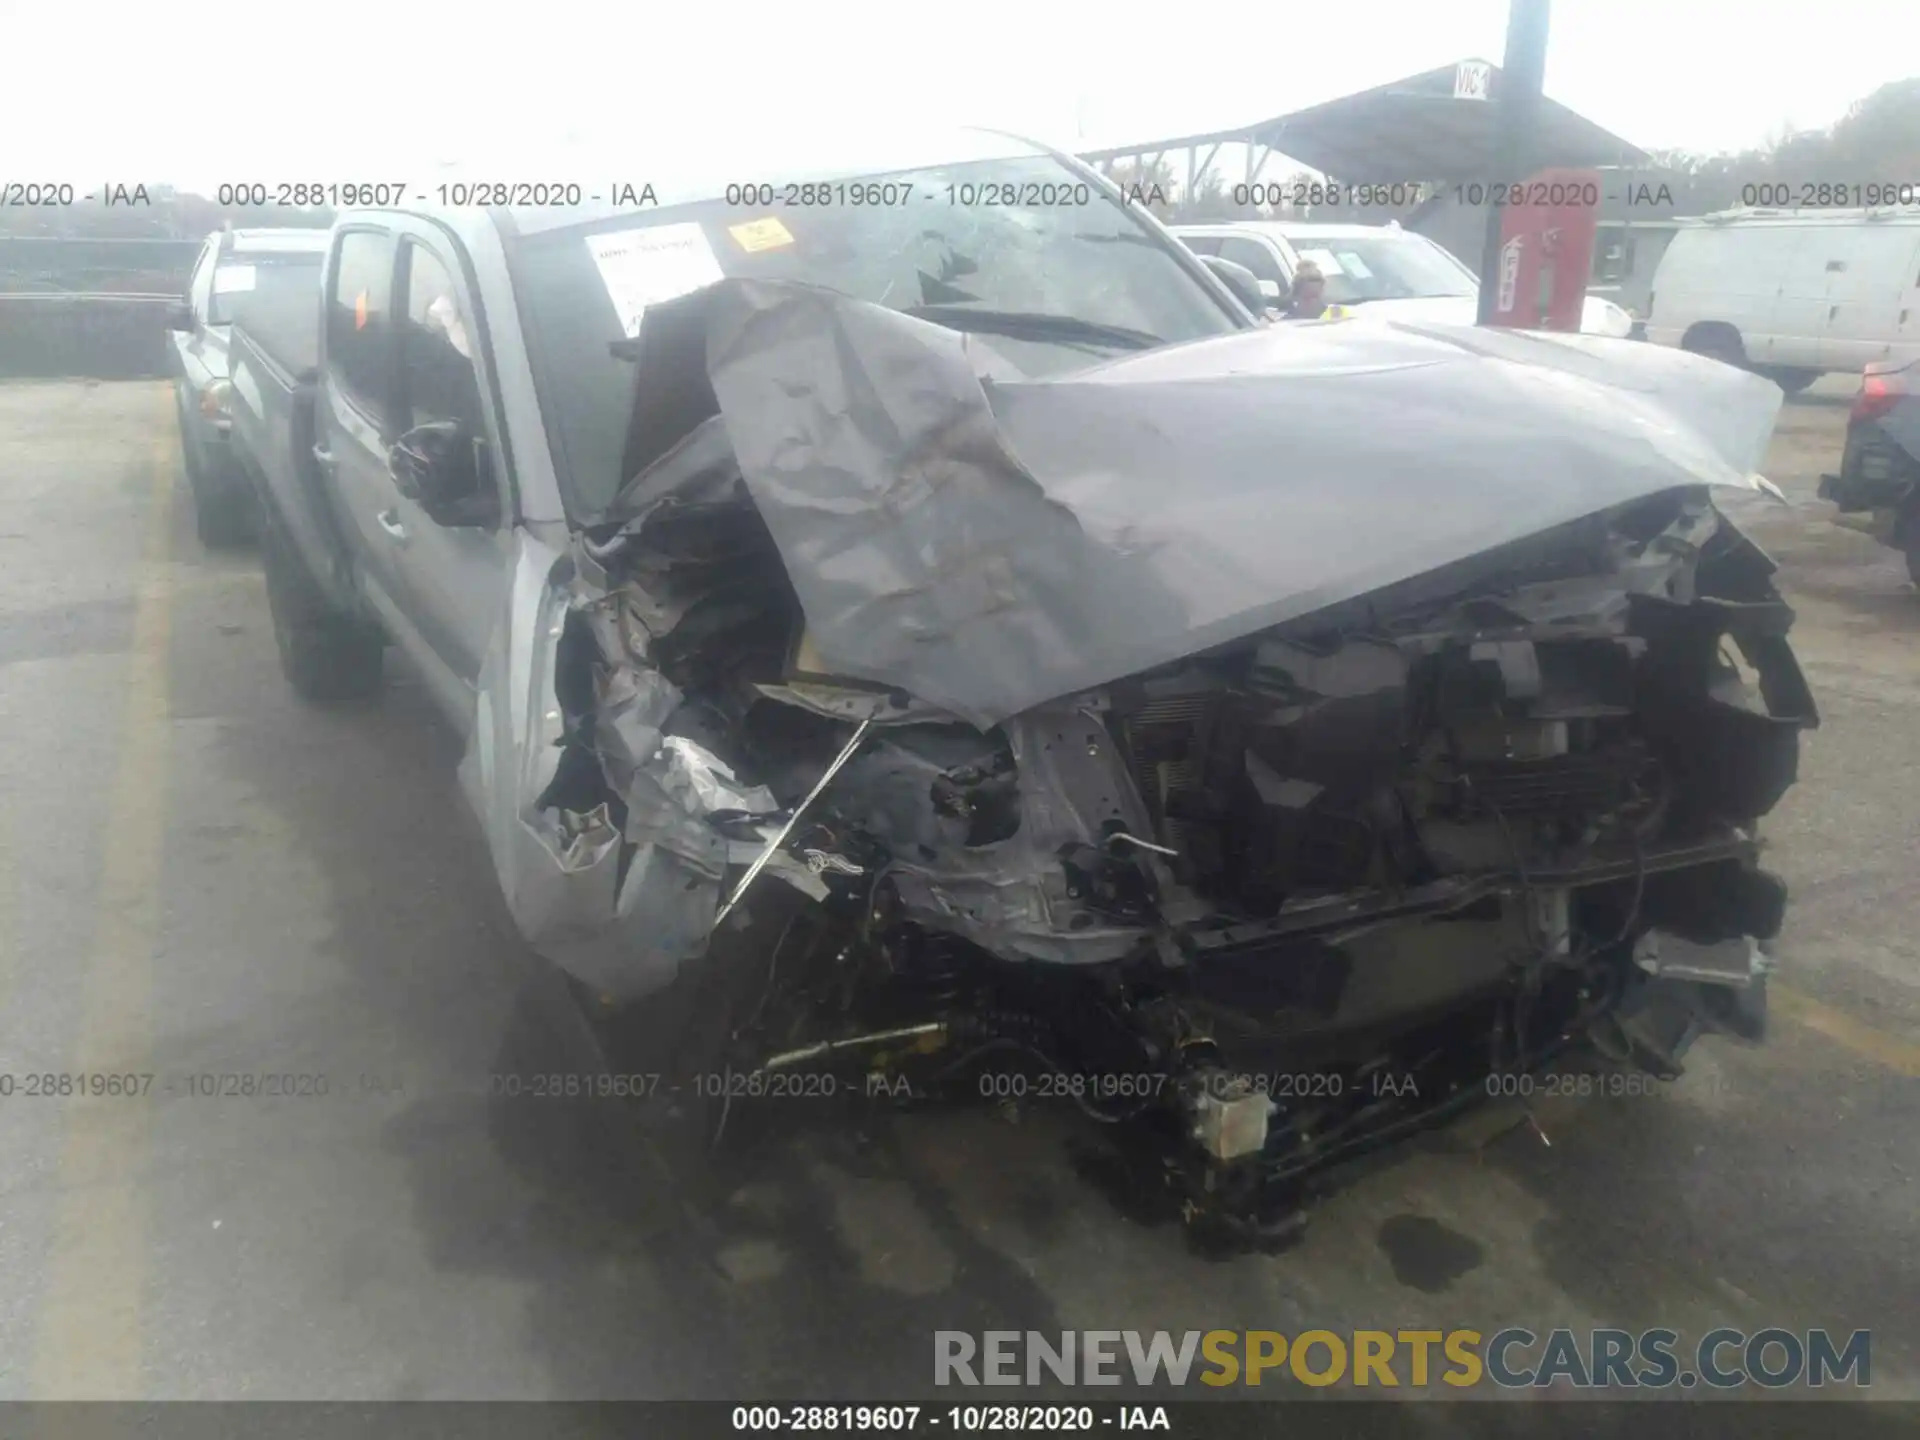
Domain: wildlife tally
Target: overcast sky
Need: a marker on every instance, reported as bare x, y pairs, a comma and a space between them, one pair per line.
355, 90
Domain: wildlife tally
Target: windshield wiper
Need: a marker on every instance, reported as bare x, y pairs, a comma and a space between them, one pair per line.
1033, 325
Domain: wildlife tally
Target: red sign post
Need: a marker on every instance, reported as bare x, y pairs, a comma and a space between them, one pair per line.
1546, 251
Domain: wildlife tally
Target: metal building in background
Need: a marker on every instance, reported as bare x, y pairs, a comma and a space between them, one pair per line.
1438, 127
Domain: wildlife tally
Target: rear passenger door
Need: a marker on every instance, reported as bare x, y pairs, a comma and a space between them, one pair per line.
1906, 335
1790, 287
359, 414
1867, 273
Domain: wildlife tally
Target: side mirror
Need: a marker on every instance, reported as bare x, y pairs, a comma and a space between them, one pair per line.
1273, 293
179, 316
1240, 280
444, 468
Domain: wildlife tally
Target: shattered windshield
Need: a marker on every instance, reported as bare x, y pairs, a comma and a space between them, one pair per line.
1024, 252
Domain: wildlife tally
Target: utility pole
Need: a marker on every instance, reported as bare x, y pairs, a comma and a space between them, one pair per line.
1517, 108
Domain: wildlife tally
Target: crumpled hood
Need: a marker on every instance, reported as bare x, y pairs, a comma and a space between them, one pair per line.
1597, 316
1420, 309
989, 545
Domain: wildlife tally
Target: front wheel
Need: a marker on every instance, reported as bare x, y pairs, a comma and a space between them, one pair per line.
327, 657
1717, 342
220, 520
700, 1036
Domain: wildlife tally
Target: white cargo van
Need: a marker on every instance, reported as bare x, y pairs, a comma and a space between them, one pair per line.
1792, 294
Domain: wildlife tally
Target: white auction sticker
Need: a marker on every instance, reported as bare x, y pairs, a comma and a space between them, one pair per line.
228, 279
644, 267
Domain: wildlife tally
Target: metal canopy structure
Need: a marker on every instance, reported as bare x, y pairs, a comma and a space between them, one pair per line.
1437, 126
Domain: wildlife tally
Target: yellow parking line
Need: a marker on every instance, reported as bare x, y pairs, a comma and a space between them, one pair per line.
1900, 1056
89, 1344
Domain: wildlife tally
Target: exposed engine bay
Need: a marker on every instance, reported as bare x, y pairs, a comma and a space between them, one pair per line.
1272, 903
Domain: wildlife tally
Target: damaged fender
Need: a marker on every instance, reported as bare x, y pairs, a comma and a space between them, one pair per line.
617, 902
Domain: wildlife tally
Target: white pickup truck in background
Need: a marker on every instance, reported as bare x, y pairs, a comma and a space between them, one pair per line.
1390, 271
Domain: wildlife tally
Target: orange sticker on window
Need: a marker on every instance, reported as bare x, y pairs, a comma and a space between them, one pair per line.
360, 311
767, 234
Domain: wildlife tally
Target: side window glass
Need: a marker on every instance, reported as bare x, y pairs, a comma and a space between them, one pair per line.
437, 380
1203, 244
360, 322
1255, 256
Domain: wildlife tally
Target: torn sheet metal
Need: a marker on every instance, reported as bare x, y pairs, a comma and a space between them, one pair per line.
1012, 896
617, 909
987, 546
705, 784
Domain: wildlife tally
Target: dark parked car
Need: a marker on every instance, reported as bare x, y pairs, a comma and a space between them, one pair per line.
1880, 468
237, 271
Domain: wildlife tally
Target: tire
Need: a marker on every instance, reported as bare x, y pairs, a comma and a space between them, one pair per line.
1717, 342
686, 1036
327, 657
1906, 535
221, 521
190, 458
219, 515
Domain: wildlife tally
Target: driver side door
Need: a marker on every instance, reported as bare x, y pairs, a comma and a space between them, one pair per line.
453, 576
358, 418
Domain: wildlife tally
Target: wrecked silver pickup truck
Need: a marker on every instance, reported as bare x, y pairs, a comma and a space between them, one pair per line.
909, 637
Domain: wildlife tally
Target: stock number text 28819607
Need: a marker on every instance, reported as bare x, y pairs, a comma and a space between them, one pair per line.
813, 194
1396, 195
1813, 195
306, 194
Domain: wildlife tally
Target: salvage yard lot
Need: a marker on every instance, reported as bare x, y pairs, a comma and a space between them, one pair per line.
200, 878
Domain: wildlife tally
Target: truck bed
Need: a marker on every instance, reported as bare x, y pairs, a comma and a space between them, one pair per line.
285, 325
273, 435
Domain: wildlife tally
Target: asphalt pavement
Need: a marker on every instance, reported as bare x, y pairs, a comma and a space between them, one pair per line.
202, 881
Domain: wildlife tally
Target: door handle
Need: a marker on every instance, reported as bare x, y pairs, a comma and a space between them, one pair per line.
1833, 312
390, 522
323, 457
